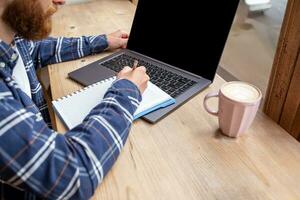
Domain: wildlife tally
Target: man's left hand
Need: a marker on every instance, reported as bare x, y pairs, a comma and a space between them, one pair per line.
116, 40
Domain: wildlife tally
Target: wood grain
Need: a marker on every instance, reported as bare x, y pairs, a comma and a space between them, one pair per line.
290, 117
283, 97
284, 62
185, 156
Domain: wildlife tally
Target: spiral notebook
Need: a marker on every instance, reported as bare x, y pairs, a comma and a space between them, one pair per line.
73, 108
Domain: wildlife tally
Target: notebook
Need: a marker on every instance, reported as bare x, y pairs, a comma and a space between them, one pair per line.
73, 108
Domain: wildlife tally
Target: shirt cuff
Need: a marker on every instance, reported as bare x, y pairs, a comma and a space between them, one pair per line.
126, 93
128, 87
98, 44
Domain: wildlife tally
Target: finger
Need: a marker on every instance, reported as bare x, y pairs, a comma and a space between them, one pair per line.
123, 42
147, 78
141, 68
144, 87
59, 2
126, 69
124, 35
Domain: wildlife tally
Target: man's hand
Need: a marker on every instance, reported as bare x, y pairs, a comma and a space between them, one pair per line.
116, 40
59, 2
138, 76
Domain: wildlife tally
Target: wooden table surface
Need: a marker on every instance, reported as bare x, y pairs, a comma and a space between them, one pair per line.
184, 156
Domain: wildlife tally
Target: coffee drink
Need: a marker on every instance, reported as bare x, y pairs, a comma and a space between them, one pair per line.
238, 104
241, 92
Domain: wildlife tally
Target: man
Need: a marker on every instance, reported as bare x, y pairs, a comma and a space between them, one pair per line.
35, 161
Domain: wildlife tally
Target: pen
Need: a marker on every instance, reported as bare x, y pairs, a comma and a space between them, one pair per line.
135, 64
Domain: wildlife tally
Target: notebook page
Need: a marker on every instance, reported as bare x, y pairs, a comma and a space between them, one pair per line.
152, 96
73, 108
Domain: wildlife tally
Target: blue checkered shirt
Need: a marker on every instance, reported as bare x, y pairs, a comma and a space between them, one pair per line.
34, 158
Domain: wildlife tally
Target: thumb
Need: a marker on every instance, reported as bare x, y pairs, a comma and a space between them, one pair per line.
126, 69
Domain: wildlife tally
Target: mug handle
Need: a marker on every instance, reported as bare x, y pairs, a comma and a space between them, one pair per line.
210, 95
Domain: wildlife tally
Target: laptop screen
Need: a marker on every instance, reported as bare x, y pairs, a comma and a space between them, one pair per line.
190, 35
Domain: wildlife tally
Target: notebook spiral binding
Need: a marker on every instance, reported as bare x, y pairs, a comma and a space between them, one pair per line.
85, 88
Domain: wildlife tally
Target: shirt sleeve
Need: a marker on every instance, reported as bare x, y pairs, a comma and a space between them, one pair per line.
70, 166
56, 50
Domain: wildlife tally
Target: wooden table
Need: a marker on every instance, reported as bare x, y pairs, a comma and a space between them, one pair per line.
184, 156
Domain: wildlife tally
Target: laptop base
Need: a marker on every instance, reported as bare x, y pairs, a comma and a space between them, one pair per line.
98, 70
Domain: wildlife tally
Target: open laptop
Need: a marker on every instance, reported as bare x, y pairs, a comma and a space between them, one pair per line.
180, 43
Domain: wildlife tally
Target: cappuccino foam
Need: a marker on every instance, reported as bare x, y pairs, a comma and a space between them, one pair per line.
240, 91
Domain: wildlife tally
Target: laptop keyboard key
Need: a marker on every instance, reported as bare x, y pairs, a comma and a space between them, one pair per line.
168, 81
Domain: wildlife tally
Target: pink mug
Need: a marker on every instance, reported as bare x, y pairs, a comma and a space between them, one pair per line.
238, 104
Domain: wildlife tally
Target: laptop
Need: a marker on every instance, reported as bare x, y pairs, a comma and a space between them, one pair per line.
180, 44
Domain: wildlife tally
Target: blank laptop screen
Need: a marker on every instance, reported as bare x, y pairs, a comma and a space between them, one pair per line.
187, 34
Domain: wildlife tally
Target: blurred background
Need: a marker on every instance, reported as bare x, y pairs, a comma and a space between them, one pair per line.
252, 42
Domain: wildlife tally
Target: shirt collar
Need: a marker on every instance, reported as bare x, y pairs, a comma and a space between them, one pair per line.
8, 56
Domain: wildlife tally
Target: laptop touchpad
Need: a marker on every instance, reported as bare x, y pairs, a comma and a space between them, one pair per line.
91, 74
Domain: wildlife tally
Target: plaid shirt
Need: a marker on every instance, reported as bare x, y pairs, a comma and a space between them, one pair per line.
36, 159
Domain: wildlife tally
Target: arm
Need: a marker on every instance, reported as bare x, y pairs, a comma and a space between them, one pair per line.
55, 50
69, 166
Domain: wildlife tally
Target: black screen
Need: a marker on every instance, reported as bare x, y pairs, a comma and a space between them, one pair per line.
190, 35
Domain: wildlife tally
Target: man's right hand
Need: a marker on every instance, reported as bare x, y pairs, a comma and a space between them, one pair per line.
138, 76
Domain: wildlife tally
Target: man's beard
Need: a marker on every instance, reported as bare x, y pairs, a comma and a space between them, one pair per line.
28, 19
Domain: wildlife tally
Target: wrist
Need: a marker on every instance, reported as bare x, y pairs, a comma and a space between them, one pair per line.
107, 40
128, 85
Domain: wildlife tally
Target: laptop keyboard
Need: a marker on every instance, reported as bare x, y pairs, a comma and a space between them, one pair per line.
171, 83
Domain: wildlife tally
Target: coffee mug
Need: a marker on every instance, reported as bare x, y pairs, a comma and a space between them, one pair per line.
238, 104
